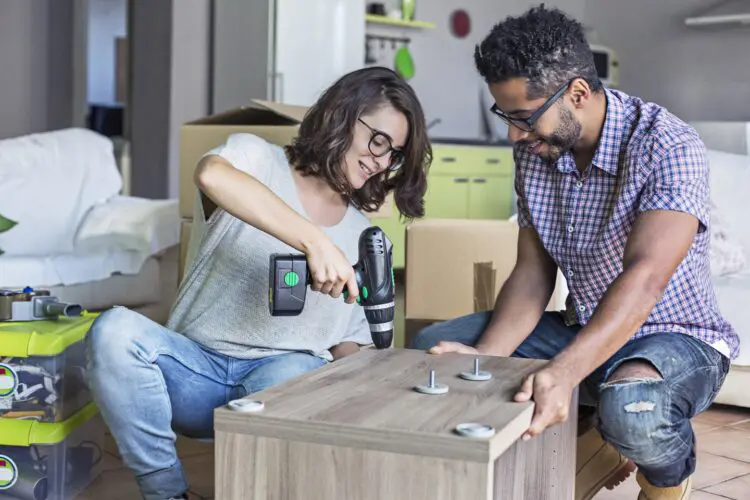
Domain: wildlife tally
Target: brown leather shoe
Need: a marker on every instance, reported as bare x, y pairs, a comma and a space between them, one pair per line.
651, 492
598, 465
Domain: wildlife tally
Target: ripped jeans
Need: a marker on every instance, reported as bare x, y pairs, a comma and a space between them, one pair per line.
646, 420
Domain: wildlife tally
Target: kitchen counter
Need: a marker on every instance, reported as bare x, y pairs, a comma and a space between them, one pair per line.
464, 141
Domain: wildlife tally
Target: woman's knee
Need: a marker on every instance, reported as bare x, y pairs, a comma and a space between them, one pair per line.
112, 335
281, 368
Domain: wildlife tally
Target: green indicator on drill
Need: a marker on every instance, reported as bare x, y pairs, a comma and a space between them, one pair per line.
291, 279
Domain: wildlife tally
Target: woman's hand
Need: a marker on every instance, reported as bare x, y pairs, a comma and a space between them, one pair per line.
330, 271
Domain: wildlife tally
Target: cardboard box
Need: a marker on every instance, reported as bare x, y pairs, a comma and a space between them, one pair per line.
275, 122
456, 267
185, 231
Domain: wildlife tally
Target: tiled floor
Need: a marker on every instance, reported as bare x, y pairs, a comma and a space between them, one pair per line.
723, 436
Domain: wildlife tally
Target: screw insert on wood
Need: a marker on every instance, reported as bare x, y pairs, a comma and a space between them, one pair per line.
476, 375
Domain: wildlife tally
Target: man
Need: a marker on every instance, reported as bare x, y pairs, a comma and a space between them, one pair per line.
614, 191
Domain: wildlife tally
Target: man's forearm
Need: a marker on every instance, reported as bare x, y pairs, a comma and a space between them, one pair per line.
621, 312
518, 308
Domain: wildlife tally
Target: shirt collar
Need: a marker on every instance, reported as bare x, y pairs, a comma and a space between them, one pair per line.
607, 156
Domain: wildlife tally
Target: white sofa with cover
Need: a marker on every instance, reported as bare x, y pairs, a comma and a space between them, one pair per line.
728, 146
64, 226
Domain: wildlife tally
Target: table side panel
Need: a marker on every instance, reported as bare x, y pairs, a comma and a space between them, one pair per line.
542, 468
264, 468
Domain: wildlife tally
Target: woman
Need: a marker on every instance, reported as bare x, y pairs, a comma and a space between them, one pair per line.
363, 139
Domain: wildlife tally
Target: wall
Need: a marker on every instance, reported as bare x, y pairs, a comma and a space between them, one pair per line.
445, 78
190, 75
698, 73
107, 19
36, 58
169, 44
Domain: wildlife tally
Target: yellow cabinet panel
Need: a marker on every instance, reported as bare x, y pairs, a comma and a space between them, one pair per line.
490, 197
471, 160
447, 197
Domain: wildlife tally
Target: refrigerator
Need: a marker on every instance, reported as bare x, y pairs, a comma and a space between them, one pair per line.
286, 51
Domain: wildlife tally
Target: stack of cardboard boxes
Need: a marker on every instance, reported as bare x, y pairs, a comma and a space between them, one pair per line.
277, 123
456, 267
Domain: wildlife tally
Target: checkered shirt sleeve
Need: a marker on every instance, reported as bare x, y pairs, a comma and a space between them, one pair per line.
678, 180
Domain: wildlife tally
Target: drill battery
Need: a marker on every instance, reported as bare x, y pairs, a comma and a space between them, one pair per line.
288, 284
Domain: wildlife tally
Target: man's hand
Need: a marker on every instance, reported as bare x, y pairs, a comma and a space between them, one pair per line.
551, 392
445, 346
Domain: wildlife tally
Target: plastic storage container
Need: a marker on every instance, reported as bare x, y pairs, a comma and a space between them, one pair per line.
42, 368
50, 461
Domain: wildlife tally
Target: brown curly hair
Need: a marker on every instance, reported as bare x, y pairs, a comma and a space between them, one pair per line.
326, 133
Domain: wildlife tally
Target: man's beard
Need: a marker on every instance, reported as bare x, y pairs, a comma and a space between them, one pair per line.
563, 138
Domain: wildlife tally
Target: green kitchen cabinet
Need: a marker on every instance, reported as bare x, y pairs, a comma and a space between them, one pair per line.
464, 182
447, 197
470, 182
490, 197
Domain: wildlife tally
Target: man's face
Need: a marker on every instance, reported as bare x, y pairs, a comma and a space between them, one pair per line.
556, 131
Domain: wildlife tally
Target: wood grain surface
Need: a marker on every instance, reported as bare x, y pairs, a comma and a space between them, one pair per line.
261, 468
366, 401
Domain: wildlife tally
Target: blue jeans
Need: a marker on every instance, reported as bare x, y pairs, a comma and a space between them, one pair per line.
657, 437
150, 382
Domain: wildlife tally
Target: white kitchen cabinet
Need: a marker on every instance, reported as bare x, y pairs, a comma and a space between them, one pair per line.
286, 51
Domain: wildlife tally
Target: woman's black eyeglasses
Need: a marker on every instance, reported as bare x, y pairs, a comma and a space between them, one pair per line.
381, 144
527, 124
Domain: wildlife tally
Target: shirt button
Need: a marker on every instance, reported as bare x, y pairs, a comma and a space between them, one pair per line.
579, 184
570, 272
582, 308
571, 228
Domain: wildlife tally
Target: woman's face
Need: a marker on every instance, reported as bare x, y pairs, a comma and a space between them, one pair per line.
378, 140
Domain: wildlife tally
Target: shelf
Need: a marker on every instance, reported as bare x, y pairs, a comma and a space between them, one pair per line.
372, 18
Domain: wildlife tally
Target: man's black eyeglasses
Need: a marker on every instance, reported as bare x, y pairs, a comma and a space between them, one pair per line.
527, 124
381, 144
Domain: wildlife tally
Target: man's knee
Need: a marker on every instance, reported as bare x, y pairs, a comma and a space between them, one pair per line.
633, 371
635, 416
428, 337
464, 329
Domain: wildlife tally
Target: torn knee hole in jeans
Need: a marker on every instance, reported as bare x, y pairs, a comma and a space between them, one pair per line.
639, 406
636, 405
631, 380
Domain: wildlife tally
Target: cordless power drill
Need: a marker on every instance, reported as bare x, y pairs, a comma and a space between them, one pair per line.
374, 274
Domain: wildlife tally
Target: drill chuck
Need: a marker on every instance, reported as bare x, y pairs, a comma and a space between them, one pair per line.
380, 318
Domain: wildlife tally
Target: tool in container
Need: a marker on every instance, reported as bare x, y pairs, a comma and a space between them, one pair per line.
373, 271
33, 305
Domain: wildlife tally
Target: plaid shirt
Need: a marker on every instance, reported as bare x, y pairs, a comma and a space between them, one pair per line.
647, 159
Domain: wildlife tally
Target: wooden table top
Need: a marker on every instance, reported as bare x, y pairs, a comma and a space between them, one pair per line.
368, 400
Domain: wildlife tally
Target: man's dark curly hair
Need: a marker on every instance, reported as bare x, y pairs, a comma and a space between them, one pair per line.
545, 46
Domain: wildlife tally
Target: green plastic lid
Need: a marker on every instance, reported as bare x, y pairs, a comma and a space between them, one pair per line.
21, 339
15, 432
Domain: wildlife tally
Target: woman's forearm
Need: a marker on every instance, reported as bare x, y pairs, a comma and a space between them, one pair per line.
251, 201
